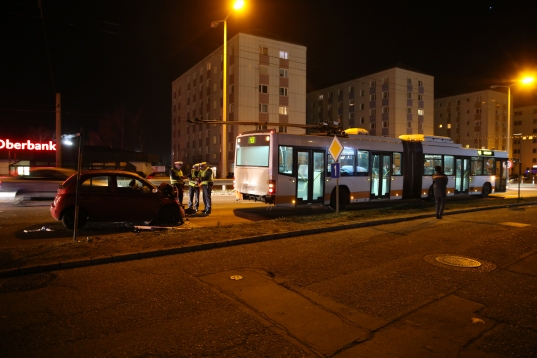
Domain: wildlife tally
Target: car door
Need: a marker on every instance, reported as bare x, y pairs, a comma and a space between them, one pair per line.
134, 199
96, 197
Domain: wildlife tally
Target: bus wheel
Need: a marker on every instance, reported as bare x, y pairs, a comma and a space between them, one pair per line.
344, 198
487, 189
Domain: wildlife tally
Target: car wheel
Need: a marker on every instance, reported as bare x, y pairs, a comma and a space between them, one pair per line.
68, 218
169, 215
487, 189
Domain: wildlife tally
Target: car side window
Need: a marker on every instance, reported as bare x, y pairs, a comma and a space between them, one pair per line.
96, 184
127, 184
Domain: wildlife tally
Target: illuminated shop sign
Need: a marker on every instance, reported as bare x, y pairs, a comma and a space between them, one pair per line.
28, 145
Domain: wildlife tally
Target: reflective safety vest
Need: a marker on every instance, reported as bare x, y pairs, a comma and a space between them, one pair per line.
206, 176
176, 175
194, 178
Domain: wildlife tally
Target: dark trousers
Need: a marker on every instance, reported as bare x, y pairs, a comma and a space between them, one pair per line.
440, 202
207, 197
193, 197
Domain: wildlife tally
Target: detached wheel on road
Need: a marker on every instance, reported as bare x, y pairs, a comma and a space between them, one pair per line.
68, 218
169, 215
487, 189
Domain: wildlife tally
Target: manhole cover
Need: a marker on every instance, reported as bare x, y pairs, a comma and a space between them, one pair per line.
27, 282
458, 261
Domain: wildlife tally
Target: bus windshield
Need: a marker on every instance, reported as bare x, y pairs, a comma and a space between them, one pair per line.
253, 151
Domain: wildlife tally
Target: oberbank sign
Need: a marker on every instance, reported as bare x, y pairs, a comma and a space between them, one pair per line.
28, 145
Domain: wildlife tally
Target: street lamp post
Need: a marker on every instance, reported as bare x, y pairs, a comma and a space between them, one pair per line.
526, 80
67, 139
238, 5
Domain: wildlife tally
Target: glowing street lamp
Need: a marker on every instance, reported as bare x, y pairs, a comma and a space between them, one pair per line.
526, 80
237, 6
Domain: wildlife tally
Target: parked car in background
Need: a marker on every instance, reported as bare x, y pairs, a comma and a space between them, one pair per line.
158, 178
115, 196
158, 175
40, 183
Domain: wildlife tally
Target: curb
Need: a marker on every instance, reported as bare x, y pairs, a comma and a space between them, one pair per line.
102, 260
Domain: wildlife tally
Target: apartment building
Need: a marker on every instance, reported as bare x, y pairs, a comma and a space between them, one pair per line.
524, 137
389, 103
475, 120
266, 82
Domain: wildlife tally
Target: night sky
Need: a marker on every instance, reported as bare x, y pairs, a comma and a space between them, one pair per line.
123, 54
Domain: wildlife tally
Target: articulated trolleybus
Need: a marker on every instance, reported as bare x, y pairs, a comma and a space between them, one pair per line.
290, 169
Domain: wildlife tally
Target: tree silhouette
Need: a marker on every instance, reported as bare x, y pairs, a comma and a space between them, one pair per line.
121, 129
41, 134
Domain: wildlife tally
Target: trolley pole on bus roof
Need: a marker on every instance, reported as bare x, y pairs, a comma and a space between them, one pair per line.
335, 150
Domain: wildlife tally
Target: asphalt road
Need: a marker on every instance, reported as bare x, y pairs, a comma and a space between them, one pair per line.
369, 292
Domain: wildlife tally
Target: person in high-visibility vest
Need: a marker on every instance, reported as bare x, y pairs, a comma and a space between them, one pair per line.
194, 181
206, 175
176, 179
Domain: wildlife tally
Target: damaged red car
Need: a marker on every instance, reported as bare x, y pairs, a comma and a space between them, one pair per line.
115, 196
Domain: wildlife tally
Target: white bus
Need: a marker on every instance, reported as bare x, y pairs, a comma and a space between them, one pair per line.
290, 169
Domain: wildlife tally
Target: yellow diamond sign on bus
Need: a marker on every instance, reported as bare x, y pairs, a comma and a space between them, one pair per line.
335, 149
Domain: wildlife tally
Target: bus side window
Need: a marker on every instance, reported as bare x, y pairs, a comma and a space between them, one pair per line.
285, 160
489, 166
428, 167
476, 166
362, 169
396, 166
448, 164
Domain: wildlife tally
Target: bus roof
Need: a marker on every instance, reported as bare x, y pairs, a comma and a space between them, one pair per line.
425, 138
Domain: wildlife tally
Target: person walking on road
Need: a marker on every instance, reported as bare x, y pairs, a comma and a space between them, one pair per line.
440, 181
194, 188
176, 179
206, 175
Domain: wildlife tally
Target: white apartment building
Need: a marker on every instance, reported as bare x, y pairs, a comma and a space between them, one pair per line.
388, 103
524, 136
266, 83
475, 120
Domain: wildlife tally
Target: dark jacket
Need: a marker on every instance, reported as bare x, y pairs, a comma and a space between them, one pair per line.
440, 181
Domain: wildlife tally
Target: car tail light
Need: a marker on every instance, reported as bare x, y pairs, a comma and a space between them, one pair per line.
272, 187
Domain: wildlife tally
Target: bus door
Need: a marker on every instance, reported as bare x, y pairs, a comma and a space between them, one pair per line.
380, 176
501, 175
462, 175
310, 176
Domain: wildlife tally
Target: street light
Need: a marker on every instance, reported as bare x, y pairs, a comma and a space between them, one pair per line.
526, 80
237, 6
